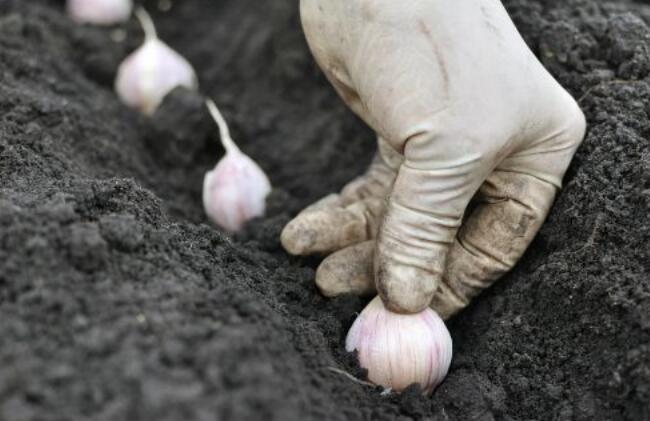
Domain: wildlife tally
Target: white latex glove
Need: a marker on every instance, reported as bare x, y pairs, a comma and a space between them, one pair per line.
462, 109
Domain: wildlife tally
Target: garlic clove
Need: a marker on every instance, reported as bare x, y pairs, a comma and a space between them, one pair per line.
401, 349
236, 190
152, 71
99, 12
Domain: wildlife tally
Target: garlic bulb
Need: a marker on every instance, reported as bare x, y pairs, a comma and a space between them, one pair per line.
100, 12
235, 191
401, 349
152, 71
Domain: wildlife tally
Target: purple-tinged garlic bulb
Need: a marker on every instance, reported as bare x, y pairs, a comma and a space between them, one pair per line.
401, 349
235, 190
152, 71
100, 12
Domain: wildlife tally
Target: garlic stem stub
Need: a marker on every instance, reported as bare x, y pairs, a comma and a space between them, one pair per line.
401, 349
235, 191
152, 71
100, 12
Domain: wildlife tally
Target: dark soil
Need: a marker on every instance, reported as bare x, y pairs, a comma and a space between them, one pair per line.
119, 302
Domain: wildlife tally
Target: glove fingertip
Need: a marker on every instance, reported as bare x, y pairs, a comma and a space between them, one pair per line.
296, 238
403, 288
348, 271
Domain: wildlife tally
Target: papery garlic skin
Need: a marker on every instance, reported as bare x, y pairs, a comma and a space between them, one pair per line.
236, 190
152, 71
100, 12
401, 349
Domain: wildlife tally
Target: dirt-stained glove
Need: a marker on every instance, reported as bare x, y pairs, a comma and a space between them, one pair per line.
462, 109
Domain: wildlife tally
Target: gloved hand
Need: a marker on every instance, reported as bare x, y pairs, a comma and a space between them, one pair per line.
463, 110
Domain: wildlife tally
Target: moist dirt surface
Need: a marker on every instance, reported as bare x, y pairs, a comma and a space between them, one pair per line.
118, 301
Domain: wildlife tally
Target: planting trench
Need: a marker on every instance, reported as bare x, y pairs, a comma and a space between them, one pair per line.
119, 302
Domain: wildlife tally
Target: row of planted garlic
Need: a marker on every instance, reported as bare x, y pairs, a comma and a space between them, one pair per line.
235, 190
396, 349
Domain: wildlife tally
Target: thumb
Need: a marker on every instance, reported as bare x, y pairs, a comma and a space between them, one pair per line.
425, 209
